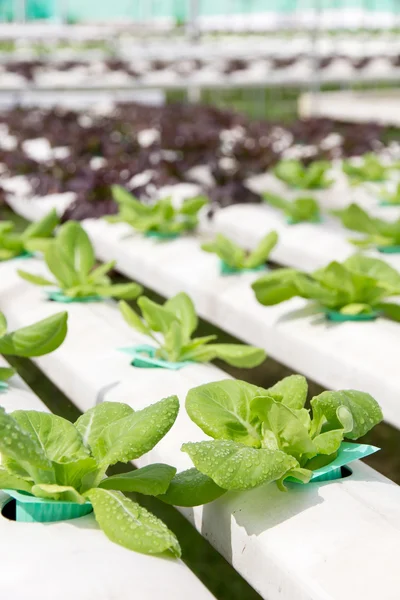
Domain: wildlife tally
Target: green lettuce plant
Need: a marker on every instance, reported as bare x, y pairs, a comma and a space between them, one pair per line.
359, 285
35, 340
378, 232
391, 198
296, 175
264, 435
158, 218
49, 457
34, 237
297, 211
238, 258
70, 258
171, 325
370, 169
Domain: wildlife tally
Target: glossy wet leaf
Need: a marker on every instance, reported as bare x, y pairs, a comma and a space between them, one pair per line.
223, 410
127, 523
136, 434
17, 444
58, 437
292, 390
191, 488
234, 466
151, 480
95, 420
365, 411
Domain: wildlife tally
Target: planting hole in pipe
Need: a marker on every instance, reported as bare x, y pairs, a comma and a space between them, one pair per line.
9, 510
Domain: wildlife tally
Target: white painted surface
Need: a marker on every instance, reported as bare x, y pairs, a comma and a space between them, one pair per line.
362, 106
74, 559
335, 541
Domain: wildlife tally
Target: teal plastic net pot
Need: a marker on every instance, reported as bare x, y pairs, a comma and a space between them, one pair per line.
347, 453
161, 236
144, 357
58, 296
226, 269
30, 509
387, 203
25, 254
389, 249
338, 317
335, 473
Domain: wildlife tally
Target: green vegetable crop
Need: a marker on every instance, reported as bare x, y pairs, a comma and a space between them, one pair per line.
264, 435
359, 285
378, 231
70, 258
296, 211
161, 217
392, 198
296, 175
236, 257
35, 340
34, 237
171, 326
370, 169
49, 457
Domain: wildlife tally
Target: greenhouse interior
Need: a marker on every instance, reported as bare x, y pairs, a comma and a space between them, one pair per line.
200, 245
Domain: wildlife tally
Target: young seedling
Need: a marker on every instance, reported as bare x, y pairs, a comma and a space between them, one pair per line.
49, 457
264, 435
70, 258
296, 175
35, 340
236, 257
34, 237
171, 325
359, 286
304, 209
380, 234
370, 169
160, 218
